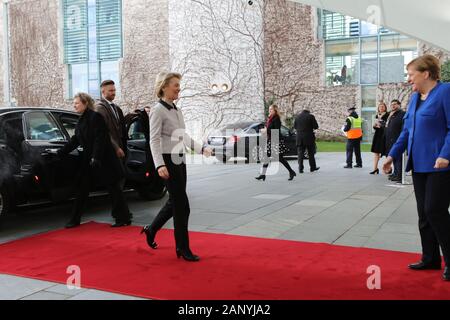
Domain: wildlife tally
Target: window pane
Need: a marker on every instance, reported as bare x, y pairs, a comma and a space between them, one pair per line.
368, 29
69, 123
79, 78
75, 31
109, 29
341, 59
136, 132
41, 126
94, 83
369, 60
396, 51
368, 97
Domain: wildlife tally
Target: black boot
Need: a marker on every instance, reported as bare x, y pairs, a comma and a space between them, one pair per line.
187, 255
292, 175
150, 237
261, 177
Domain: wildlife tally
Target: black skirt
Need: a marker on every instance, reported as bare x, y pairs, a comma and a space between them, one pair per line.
378, 143
276, 149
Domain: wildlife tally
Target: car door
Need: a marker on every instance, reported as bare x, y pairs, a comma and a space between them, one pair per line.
71, 164
289, 140
138, 162
52, 175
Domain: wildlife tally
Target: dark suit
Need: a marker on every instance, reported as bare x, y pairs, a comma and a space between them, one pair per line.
115, 122
275, 127
305, 124
392, 131
91, 133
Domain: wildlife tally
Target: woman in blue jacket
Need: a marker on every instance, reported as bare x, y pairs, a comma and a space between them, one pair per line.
426, 136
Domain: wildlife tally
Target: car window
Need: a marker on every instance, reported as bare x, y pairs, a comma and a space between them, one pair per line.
69, 122
284, 131
41, 126
11, 131
136, 132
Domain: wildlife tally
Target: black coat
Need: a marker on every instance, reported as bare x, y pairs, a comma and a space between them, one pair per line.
378, 141
305, 124
393, 128
280, 146
92, 134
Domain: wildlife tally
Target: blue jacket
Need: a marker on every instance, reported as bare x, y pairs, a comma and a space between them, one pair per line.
426, 133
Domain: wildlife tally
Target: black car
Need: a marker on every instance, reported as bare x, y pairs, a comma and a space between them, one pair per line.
31, 173
244, 139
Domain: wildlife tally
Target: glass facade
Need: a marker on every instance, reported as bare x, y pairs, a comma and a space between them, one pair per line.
360, 53
92, 43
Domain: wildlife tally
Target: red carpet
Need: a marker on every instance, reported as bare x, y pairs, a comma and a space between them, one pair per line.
232, 267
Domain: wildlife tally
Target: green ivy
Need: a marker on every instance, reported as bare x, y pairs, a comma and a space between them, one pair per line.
445, 71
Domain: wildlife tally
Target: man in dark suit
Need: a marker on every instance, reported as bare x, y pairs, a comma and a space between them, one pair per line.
394, 126
305, 124
115, 122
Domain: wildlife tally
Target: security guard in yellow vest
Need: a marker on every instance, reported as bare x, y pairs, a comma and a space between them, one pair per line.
353, 130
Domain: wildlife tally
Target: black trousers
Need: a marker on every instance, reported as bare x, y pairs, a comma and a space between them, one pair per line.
119, 211
433, 200
312, 160
177, 206
398, 167
282, 160
354, 145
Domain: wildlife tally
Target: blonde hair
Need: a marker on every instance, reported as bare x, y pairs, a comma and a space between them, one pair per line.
275, 107
428, 63
162, 80
86, 99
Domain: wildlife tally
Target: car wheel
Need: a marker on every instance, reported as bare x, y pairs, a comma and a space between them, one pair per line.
5, 202
151, 192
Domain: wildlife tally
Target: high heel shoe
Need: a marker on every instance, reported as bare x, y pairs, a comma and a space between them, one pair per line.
150, 237
188, 256
261, 177
292, 175
376, 171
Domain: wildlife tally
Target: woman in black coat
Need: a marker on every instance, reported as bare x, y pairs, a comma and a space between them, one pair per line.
378, 143
273, 125
98, 159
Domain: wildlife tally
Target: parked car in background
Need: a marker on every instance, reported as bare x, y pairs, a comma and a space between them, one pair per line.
244, 139
31, 173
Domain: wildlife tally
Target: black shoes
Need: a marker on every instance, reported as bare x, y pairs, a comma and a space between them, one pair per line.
376, 171
73, 223
300, 171
292, 175
348, 167
431, 266
261, 177
446, 274
358, 166
119, 224
425, 266
150, 237
315, 169
188, 255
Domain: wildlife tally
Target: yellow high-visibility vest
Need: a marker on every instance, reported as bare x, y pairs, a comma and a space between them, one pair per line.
355, 131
